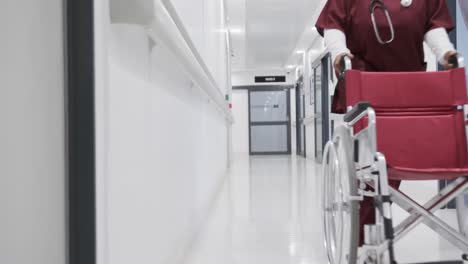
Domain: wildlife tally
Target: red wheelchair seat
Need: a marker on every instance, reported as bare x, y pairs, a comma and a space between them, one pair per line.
420, 120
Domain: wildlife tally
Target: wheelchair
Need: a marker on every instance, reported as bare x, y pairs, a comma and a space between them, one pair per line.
399, 126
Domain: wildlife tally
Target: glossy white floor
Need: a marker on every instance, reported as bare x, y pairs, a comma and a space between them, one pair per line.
268, 212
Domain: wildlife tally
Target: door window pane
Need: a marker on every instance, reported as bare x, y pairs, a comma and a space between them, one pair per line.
269, 138
268, 106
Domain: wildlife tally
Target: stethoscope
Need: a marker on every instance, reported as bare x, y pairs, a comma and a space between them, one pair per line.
374, 4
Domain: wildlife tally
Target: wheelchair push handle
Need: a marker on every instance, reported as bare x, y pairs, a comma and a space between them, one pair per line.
345, 65
457, 61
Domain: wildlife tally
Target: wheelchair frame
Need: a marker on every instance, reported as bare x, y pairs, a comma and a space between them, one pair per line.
356, 155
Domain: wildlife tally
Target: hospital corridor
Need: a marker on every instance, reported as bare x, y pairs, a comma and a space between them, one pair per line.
233, 132
254, 222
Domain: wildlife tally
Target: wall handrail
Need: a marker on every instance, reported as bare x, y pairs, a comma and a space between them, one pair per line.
166, 27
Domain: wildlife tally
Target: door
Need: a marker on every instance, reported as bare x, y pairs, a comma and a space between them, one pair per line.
321, 105
269, 121
318, 114
300, 116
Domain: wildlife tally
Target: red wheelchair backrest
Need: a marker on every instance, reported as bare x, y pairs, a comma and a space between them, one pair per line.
420, 118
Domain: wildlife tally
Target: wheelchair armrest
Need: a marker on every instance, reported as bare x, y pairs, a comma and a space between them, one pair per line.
357, 110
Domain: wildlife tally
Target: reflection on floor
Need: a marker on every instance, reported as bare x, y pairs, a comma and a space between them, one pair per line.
268, 212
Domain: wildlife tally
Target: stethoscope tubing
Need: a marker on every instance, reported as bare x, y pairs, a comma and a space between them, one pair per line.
374, 4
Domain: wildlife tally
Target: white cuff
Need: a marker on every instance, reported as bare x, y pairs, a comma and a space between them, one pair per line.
439, 42
335, 40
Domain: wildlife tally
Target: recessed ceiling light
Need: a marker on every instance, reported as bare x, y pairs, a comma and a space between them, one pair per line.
300, 52
290, 66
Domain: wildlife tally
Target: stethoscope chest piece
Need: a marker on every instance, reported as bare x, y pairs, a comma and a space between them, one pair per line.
406, 3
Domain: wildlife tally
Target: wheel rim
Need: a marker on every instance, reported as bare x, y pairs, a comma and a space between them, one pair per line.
462, 213
339, 217
331, 207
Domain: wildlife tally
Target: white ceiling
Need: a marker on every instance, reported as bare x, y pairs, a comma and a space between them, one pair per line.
265, 34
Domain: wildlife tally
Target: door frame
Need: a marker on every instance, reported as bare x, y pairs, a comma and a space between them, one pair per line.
81, 147
324, 62
262, 88
452, 6
300, 101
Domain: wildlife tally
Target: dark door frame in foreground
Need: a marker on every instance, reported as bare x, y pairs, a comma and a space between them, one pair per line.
287, 89
452, 6
80, 131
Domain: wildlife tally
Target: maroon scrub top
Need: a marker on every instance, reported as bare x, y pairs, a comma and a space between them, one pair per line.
405, 53
411, 23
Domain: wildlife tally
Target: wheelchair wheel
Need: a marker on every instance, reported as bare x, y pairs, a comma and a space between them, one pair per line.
340, 212
462, 213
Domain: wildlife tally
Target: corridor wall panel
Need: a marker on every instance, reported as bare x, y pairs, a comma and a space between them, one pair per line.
32, 133
162, 145
204, 20
240, 130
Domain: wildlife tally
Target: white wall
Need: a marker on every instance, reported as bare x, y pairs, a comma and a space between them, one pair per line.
163, 145
240, 129
204, 20
32, 149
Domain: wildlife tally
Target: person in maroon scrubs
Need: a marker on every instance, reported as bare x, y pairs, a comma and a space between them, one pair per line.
348, 31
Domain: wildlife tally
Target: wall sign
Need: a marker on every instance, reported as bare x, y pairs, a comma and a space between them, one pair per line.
270, 79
